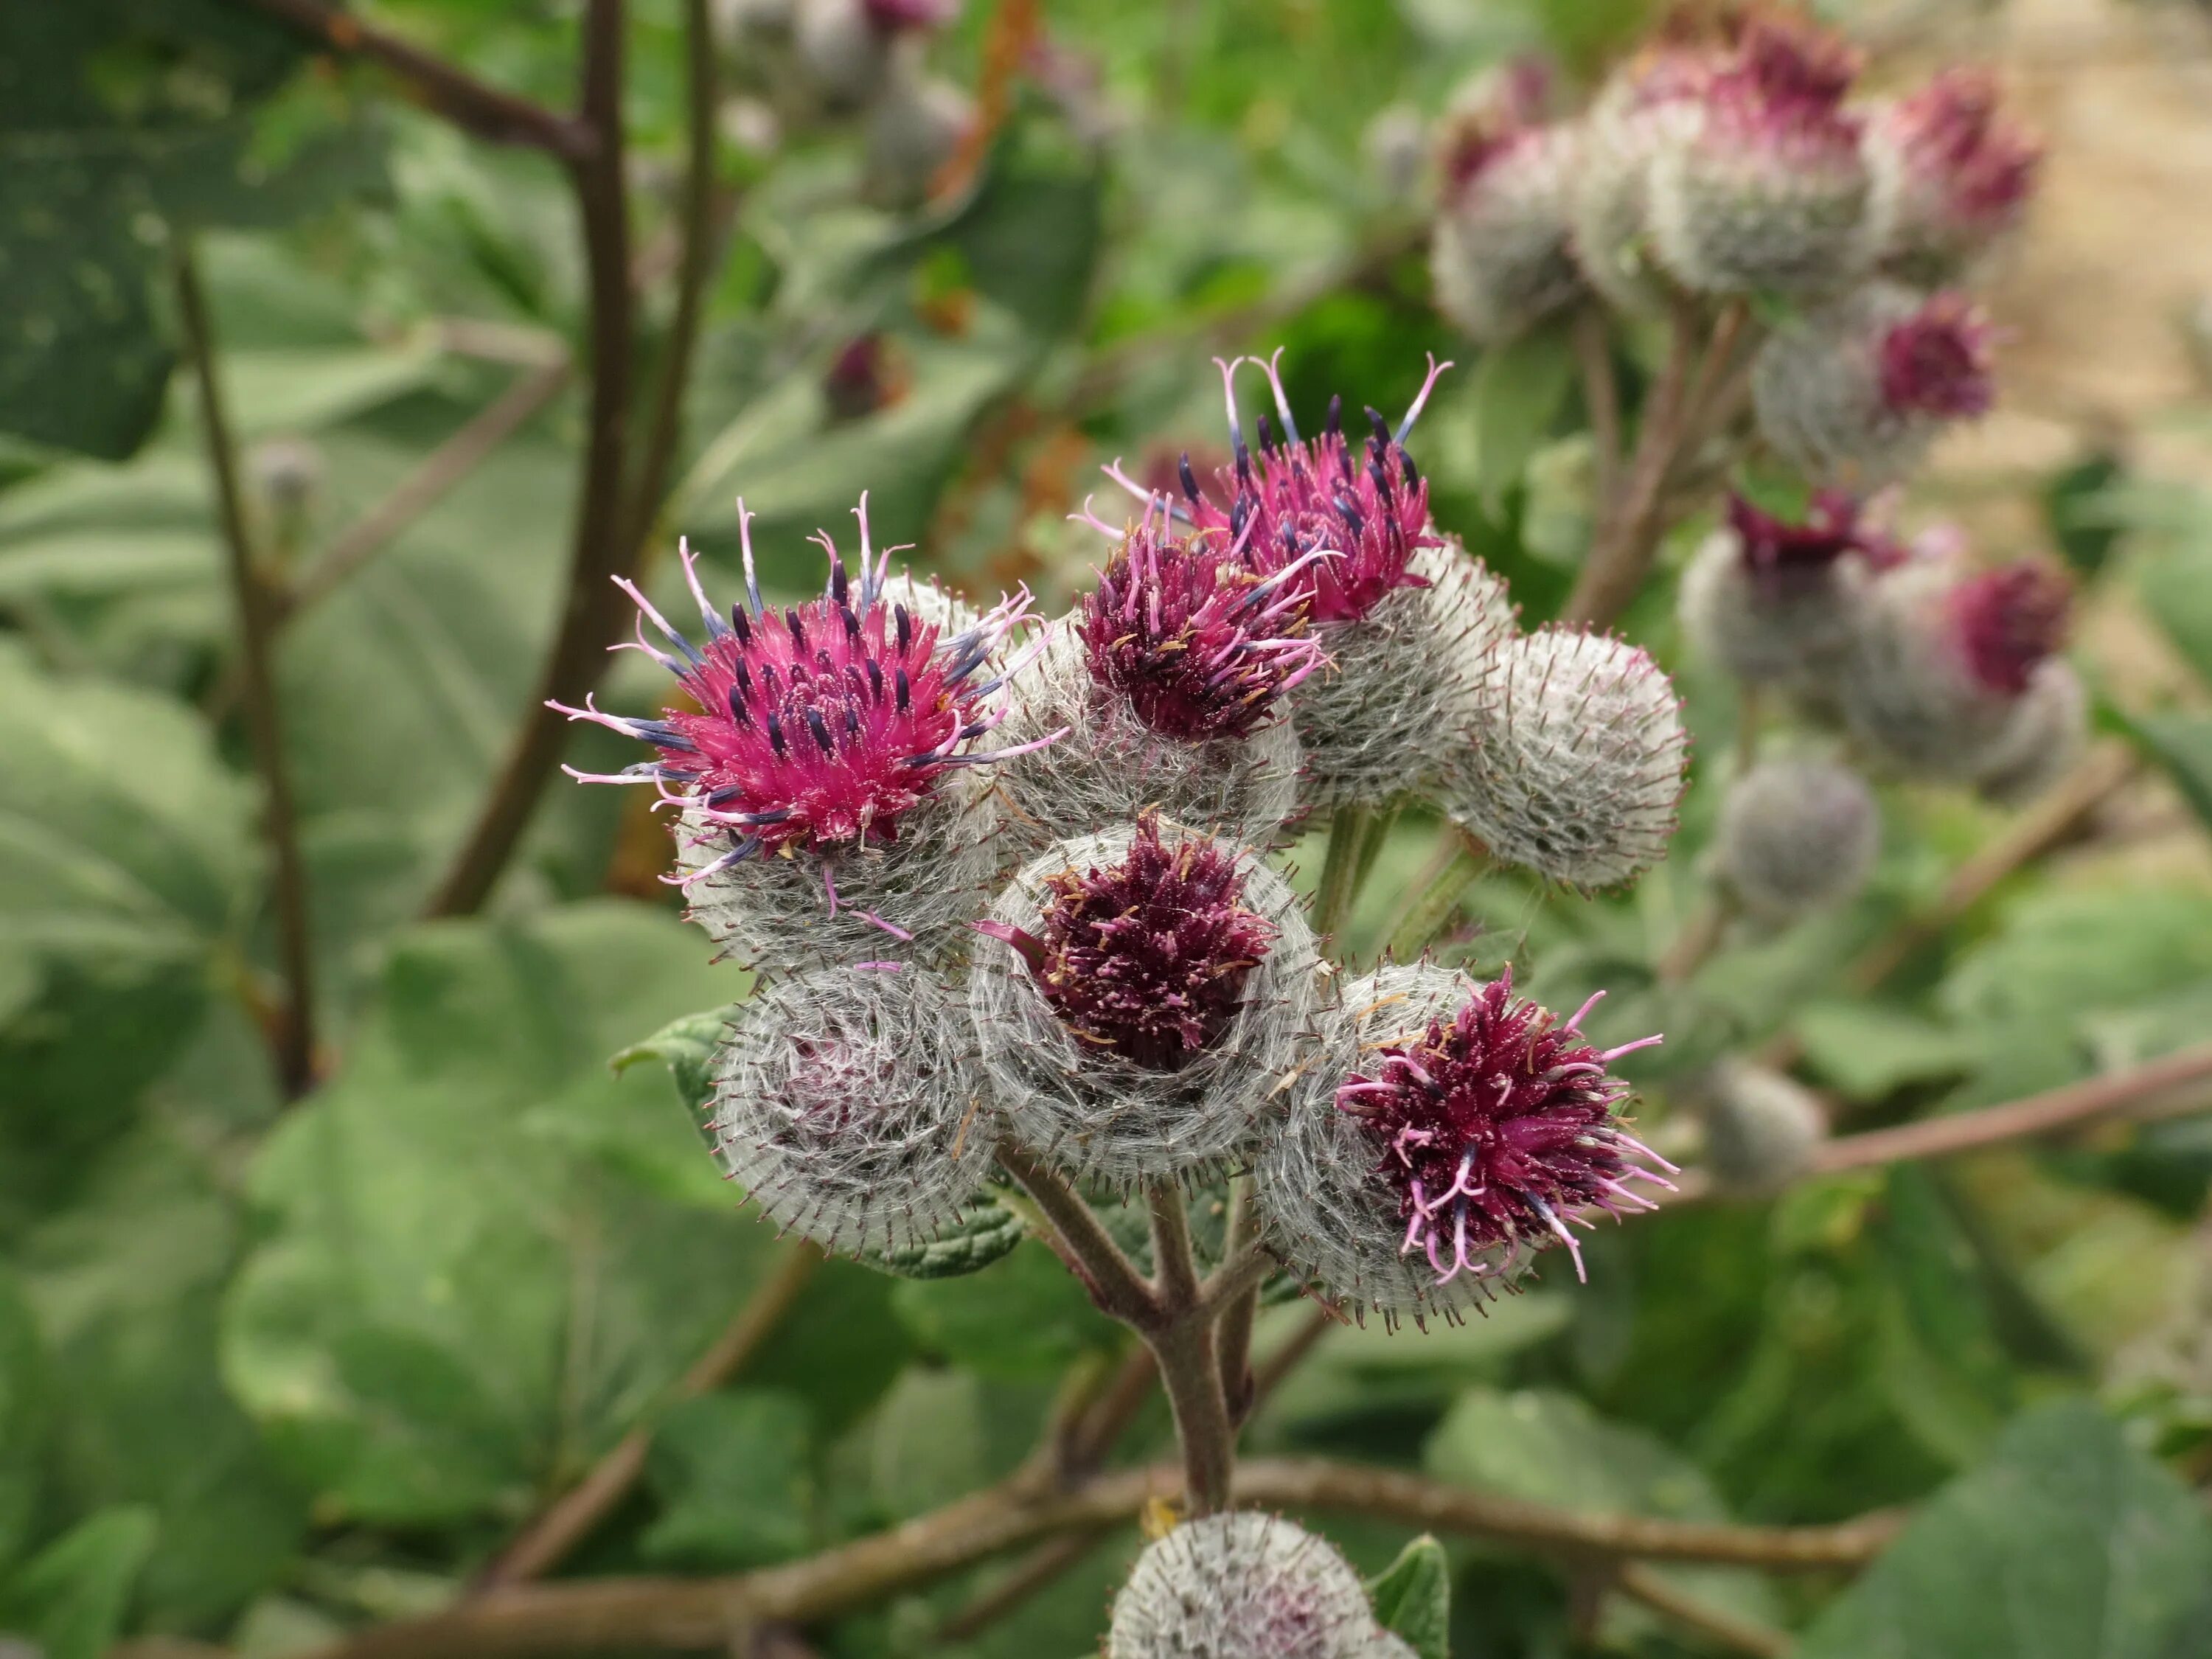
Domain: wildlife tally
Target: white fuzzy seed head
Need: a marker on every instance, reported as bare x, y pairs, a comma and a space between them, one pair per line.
1762, 1128
1796, 836
1852, 393
1502, 256
1772, 603
1580, 763
1406, 683
1100, 1114
1242, 1586
849, 1106
908, 900
1111, 765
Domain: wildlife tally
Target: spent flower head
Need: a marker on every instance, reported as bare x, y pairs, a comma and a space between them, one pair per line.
1963, 174
1198, 643
1785, 89
1936, 361
1496, 1126
1147, 958
815, 725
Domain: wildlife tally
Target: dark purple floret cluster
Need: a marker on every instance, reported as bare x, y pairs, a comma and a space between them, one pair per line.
1497, 1128
1198, 643
1147, 958
2007, 621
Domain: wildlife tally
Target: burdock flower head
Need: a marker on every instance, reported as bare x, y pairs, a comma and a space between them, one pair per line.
1242, 1586
1853, 392
1957, 175
821, 745
1501, 255
1650, 101
1468, 1128
1146, 994
1771, 600
1409, 623
1767, 189
1953, 675
1170, 679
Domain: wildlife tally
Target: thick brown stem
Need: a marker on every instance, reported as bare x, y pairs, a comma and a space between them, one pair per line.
500, 117
1232, 1341
590, 602
294, 1035
554, 1535
1083, 1243
701, 1613
1190, 1369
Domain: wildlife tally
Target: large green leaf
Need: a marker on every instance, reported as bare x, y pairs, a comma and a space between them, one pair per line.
1551, 1447
23, 1415
72, 1599
1021, 1317
2068, 1544
456, 1305
124, 852
733, 1474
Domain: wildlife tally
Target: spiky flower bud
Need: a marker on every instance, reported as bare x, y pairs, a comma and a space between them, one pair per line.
1762, 1128
846, 47
1771, 601
1766, 187
2046, 736
1579, 765
849, 1106
287, 473
1169, 682
1409, 623
1852, 393
1941, 663
1143, 996
818, 773
1449, 1131
1651, 102
1240, 1586
1501, 256
1796, 836
1954, 174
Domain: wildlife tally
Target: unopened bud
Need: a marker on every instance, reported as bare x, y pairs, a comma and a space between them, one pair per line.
1796, 836
1502, 258
1242, 1586
1762, 1128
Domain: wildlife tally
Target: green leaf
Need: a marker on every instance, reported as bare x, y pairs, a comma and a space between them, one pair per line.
1413, 1598
1869, 1050
1941, 1367
986, 1232
1518, 390
72, 1596
2181, 744
687, 1045
2068, 1544
1551, 1447
453, 1307
734, 1476
1023, 1316
23, 1418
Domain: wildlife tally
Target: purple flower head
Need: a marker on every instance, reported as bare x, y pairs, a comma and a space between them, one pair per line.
1936, 361
1497, 1129
1783, 91
1505, 118
815, 725
1981, 166
1777, 552
1347, 528
2008, 621
1148, 958
866, 375
1198, 643
897, 16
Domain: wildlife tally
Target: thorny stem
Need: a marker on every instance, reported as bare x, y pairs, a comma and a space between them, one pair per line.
500, 117
1083, 1243
1629, 526
695, 264
553, 1536
1601, 395
1232, 1341
294, 1035
664, 1613
1190, 1370
591, 602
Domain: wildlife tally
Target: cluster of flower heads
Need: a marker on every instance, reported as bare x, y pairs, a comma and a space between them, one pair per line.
811, 63
1008, 880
